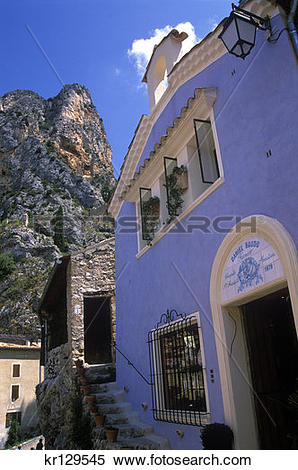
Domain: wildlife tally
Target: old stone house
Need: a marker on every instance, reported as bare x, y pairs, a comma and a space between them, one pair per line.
77, 309
77, 313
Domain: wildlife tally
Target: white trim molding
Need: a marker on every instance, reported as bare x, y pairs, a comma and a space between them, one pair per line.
234, 374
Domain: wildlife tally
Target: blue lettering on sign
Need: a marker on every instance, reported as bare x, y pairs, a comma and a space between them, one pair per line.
265, 258
236, 253
269, 267
249, 244
252, 244
249, 273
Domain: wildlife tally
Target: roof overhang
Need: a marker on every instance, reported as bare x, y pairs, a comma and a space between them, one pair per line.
55, 286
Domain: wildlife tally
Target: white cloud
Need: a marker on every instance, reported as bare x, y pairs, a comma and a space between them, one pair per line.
117, 71
142, 49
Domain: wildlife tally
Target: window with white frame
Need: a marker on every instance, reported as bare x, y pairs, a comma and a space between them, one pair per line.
16, 370
178, 373
15, 392
184, 178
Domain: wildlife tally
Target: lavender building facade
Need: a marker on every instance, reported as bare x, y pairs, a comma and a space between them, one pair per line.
206, 272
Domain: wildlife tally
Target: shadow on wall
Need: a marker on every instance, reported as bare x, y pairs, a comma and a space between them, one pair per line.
30, 422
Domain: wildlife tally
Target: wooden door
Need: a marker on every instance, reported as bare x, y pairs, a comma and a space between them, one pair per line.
272, 348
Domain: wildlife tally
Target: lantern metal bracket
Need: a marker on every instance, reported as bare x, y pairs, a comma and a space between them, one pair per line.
263, 24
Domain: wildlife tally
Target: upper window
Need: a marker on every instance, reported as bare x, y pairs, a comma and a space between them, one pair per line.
185, 177
15, 392
16, 370
178, 373
206, 151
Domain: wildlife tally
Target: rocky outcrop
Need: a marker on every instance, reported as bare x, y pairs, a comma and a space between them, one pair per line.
67, 124
55, 178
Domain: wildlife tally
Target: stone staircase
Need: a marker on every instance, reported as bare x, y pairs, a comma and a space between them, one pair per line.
133, 433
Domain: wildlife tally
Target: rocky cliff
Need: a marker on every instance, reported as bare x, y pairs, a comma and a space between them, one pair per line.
55, 178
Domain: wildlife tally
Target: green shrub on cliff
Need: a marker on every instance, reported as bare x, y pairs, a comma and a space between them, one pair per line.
7, 264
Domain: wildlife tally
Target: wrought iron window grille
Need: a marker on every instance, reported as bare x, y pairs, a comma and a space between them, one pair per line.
177, 370
169, 316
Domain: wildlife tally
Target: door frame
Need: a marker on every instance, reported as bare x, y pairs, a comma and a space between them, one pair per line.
237, 391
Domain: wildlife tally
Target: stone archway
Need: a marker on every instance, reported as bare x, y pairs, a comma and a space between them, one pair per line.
238, 394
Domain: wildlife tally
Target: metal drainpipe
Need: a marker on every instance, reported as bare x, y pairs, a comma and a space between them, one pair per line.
292, 28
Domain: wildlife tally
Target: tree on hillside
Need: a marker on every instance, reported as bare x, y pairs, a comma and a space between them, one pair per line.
7, 264
58, 224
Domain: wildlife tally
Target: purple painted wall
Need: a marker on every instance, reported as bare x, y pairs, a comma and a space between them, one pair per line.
256, 110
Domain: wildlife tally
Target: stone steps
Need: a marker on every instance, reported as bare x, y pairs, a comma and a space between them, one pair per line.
114, 408
110, 402
152, 442
103, 387
102, 373
128, 431
122, 418
109, 397
114, 396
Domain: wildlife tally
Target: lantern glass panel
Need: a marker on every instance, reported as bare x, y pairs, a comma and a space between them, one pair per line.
247, 30
246, 48
230, 35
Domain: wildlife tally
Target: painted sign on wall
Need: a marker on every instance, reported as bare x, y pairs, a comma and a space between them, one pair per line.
251, 264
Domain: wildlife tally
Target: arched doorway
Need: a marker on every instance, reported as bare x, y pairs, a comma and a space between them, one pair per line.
253, 295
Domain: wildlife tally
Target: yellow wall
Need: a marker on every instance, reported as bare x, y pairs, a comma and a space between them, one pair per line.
29, 378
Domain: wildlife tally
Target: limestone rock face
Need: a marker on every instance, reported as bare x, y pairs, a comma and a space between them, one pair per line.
55, 178
68, 123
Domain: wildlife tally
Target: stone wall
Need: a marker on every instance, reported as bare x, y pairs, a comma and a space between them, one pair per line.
89, 272
56, 361
54, 397
92, 271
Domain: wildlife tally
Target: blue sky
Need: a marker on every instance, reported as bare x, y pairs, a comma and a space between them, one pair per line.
88, 42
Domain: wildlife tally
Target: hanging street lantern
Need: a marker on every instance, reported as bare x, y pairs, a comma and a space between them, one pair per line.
239, 31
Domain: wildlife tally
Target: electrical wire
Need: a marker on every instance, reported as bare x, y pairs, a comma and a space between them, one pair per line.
234, 335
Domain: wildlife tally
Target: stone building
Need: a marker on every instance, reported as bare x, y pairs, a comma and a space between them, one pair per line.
77, 313
20, 372
77, 309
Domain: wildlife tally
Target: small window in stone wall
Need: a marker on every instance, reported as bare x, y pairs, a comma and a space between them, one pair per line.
16, 370
15, 392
